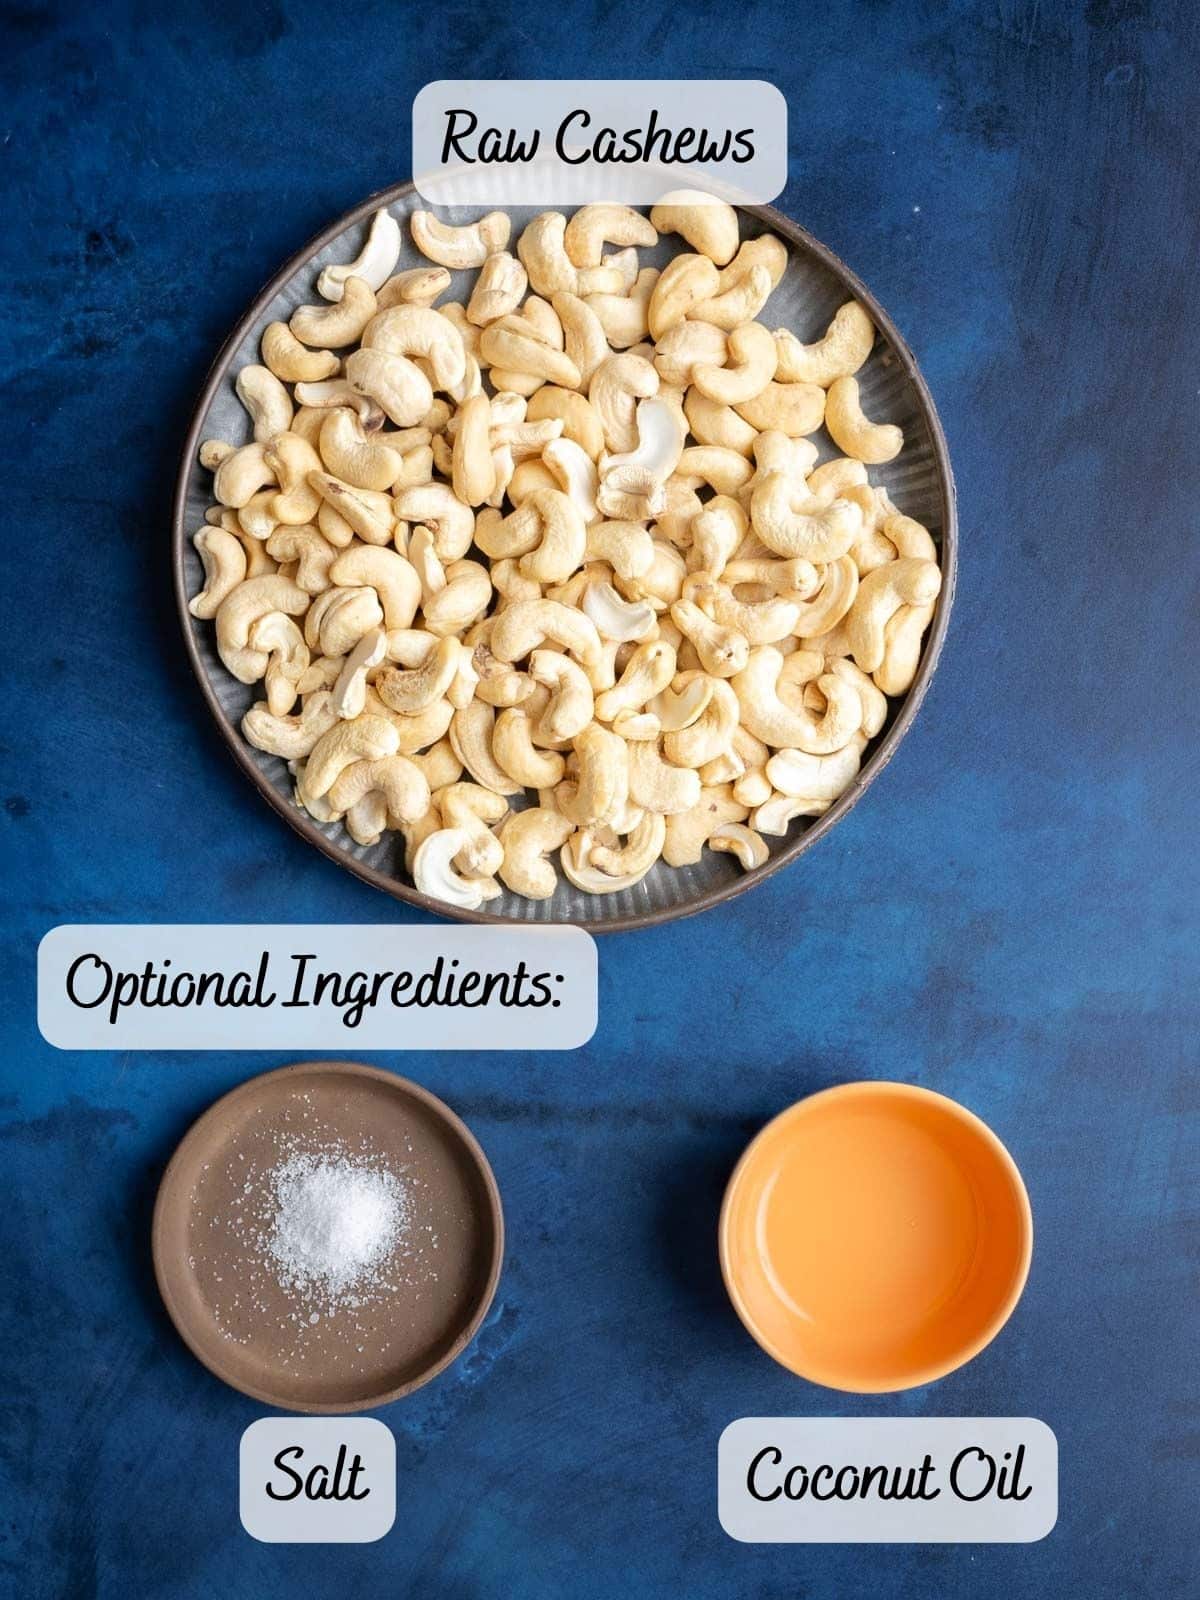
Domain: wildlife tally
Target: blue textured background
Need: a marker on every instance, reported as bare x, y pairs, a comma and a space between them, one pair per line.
1009, 915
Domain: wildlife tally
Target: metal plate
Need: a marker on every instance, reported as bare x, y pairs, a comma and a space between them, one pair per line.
920, 481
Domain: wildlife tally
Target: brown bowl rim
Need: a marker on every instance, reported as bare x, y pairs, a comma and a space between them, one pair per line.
166, 1199
875, 763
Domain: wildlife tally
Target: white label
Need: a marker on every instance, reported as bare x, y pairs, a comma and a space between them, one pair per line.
887, 1480
565, 141
317, 1480
280, 987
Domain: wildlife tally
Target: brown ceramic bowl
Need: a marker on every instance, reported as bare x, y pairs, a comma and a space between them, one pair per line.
228, 1308
815, 283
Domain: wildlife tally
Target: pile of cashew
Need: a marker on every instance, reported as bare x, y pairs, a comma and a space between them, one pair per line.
566, 537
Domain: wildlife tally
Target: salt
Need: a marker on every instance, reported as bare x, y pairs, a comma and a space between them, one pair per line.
336, 1222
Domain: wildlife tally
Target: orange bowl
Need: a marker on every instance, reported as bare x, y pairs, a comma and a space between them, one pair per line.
875, 1237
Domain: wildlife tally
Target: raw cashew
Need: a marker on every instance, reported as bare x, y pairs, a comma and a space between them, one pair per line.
686, 282
467, 246
288, 359
646, 674
816, 780
432, 869
717, 530
782, 725
543, 250
908, 581
524, 627
839, 587
419, 731
625, 318
394, 382
717, 424
241, 475
764, 251
348, 511
743, 842
464, 598
367, 738
499, 289
310, 550
420, 333
338, 618
510, 344
438, 508
757, 621
528, 838
721, 469
846, 344
350, 455
336, 325
602, 788
689, 348
740, 302
709, 225
334, 392
677, 708
350, 689
570, 706
414, 690
278, 637
374, 263
644, 469
392, 577
224, 563
291, 459
471, 737
579, 419
419, 286
711, 733
874, 700
514, 749
747, 370
795, 409
616, 618
618, 385
633, 860
852, 432
723, 651
374, 795
471, 808
689, 831
266, 400
793, 524
473, 470
577, 476
579, 869
290, 737
656, 786
241, 609
626, 546
584, 340
902, 648
594, 226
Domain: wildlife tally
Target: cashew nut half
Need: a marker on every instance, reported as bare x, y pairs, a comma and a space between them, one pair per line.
853, 433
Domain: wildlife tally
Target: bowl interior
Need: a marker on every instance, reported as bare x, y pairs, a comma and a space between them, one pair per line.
213, 1213
875, 1237
811, 290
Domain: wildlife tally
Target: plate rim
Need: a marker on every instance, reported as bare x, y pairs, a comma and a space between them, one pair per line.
626, 921
165, 1200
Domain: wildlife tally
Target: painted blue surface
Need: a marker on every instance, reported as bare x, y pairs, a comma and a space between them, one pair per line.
1009, 916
